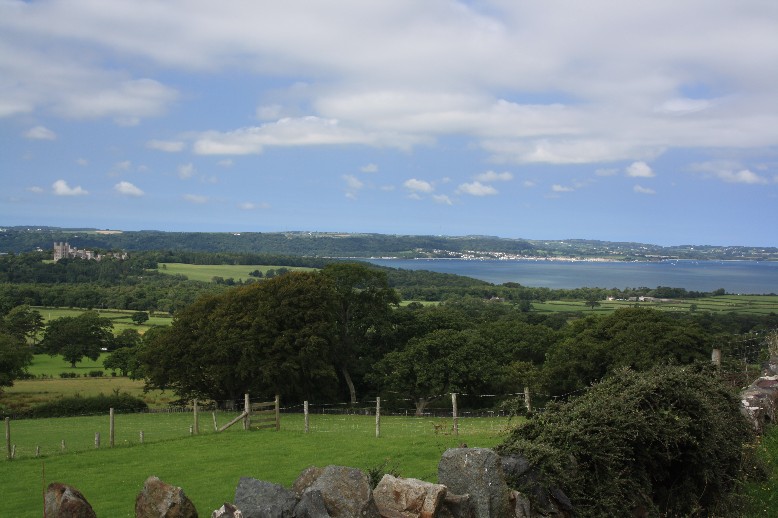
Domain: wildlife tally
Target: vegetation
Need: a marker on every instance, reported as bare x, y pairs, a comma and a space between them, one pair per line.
666, 442
89, 405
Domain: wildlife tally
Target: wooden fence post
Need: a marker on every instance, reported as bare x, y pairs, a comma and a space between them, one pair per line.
305, 412
247, 411
196, 422
8, 438
62, 445
141, 436
215, 426
278, 413
527, 399
97, 439
378, 417
111, 429
454, 413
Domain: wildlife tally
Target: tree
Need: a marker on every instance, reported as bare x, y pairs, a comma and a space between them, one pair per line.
78, 337
140, 317
23, 322
266, 338
363, 301
438, 363
15, 356
125, 360
593, 303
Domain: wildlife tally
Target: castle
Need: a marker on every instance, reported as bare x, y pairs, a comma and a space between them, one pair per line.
65, 251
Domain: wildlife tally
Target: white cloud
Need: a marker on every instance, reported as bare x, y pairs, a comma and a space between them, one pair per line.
418, 186
124, 165
168, 146
195, 198
61, 188
476, 189
742, 176
226, 162
128, 189
442, 199
528, 184
253, 206
640, 170
606, 171
491, 176
353, 185
643, 190
369, 168
40, 133
36, 189
561, 188
288, 132
82, 162
185, 171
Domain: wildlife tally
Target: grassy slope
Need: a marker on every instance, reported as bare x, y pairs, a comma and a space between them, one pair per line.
206, 272
209, 466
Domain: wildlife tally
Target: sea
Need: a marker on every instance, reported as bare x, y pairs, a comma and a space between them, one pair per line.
741, 277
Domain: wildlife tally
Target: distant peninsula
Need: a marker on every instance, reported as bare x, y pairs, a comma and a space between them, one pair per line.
17, 239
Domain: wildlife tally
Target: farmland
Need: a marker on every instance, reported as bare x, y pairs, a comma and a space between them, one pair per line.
206, 272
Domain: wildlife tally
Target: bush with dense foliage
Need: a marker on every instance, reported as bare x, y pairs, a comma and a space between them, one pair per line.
81, 405
668, 441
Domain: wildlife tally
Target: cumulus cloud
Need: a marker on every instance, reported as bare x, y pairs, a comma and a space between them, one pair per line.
168, 146
561, 188
36, 189
418, 186
476, 189
195, 198
643, 190
742, 176
730, 172
369, 168
128, 189
40, 133
640, 170
442, 199
61, 188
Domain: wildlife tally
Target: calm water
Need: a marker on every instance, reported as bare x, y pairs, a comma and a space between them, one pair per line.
748, 277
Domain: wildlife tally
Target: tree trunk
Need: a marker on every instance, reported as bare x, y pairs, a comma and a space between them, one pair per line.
421, 406
350, 384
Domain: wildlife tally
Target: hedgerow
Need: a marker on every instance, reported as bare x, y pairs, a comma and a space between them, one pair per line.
81, 405
667, 442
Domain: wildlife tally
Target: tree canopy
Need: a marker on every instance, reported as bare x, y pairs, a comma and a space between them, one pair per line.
78, 337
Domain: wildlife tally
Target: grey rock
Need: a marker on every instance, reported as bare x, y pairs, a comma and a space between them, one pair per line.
408, 497
260, 499
346, 492
477, 472
227, 511
311, 505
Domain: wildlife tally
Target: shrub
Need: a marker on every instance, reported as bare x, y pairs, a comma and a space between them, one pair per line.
95, 374
79, 405
68, 374
669, 441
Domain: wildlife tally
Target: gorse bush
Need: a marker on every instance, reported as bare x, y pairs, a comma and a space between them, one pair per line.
667, 442
79, 405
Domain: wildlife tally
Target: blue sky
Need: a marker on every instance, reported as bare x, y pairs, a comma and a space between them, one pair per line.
654, 121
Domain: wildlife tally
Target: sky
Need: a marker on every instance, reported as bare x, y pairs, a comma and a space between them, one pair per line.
653, 122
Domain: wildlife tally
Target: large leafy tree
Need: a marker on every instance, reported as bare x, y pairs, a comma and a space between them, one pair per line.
266, 338
23, 322
436, 364
362, 303
77, 337
15, 356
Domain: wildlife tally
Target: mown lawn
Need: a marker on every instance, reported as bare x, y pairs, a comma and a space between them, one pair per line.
206, 272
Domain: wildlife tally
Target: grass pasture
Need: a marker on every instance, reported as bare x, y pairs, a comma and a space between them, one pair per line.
206, 272
122, 319
742, 304
208, 466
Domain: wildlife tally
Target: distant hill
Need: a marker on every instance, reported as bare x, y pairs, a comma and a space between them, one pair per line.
323, 244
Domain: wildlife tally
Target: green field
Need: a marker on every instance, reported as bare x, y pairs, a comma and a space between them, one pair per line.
742, 304
208, 466
206, 272
122, 319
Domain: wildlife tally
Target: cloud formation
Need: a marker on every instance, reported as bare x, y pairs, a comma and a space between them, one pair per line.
128, 189
61, 188
40, 133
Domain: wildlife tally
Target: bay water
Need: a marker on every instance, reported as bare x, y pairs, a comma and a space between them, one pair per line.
743, 277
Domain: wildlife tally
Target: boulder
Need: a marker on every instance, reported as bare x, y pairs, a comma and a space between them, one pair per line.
346, 492
477, 472
456, 506
311, 505
305, 479
64, 501
161, 500
227, 511
408, 497
260, 499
